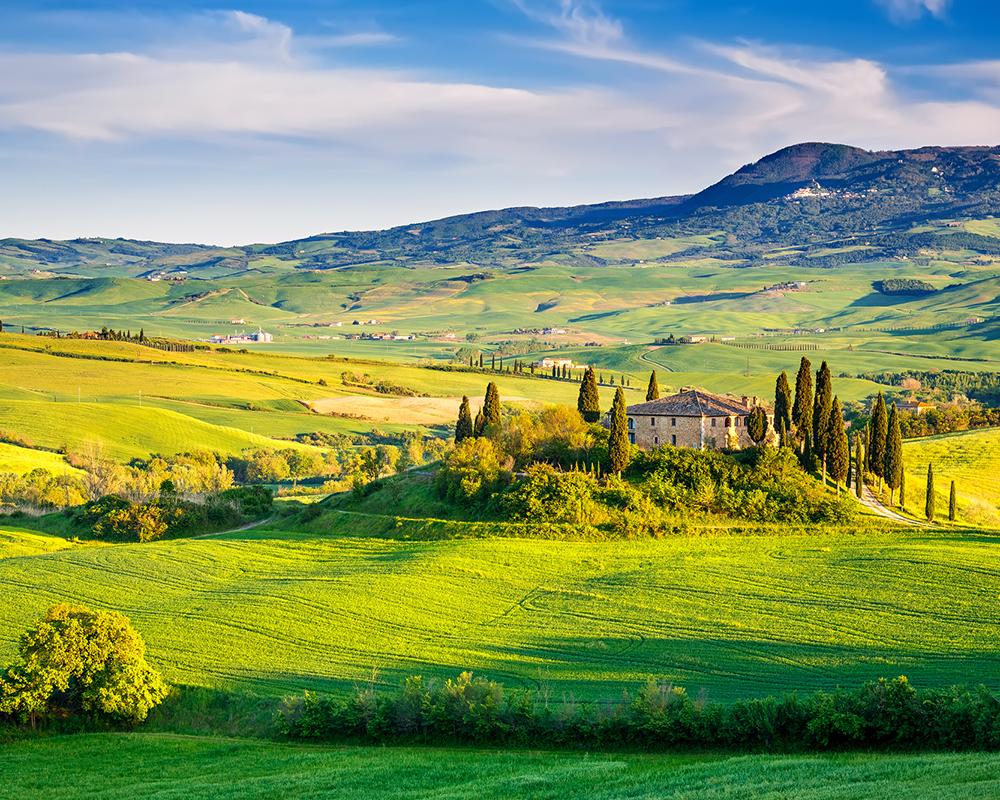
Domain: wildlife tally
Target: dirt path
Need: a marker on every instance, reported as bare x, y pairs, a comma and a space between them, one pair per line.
248, 526
871, 501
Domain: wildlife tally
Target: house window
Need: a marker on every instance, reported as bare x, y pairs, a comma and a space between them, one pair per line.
729, 422
652, 421
673, 422
713, 422
737, 422
673, 438
656, 440
631, 423
631, 438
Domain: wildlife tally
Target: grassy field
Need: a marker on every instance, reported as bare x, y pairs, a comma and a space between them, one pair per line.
274, 611
971, 459
162, 767
14, 458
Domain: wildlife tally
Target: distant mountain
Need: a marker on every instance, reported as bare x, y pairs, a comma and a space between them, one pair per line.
801, 195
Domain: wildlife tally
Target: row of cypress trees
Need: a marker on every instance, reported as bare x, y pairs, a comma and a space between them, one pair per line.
466, 427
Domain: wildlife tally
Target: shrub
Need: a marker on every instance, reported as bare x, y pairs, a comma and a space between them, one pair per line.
474, 471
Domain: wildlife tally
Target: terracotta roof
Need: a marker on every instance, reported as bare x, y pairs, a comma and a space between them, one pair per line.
692, 403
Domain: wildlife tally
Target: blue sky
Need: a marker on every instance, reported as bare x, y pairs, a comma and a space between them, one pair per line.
265, 120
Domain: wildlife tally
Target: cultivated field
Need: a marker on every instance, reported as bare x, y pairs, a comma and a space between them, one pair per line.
159, 766
274, 611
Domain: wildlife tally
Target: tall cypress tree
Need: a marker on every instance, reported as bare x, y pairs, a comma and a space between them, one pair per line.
589, 401
859, 469
757, 424
952, 503
838, 449
929, 498
782, 407
479, 426
802, 408
618, 444
464, 428
653, 390
491, 405
821, 410
879, 434
892, 469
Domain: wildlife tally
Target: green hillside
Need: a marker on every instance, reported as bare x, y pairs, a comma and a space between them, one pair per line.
275, 611
119, 767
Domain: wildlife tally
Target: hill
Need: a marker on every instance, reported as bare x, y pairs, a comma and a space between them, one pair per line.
291, 606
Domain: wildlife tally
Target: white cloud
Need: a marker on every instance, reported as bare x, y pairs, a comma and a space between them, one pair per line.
910, 10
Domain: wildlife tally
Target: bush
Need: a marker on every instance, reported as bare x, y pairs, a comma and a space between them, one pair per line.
474, 471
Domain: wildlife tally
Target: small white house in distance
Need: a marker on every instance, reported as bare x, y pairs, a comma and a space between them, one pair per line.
258, 337
558, 363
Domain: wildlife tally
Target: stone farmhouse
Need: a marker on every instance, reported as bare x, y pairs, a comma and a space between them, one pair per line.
692, 418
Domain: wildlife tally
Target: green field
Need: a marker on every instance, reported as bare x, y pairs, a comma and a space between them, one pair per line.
14, 458
274, 611
158, 767
971, 459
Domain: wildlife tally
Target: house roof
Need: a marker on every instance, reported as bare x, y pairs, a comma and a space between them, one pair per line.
692, 403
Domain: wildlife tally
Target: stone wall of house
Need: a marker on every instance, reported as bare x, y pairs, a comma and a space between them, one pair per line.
698, 432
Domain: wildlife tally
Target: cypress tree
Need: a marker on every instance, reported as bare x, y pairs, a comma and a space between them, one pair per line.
757, 424
893, 465
618, 444
479, 426
491, 405
929, 499
952, 503
463, 428
589, 401
653, 390
838, 449
859, 468
879, 434
821, 410
802, 408
782, 407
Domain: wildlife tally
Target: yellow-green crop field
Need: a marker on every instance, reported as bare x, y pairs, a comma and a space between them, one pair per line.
274, 611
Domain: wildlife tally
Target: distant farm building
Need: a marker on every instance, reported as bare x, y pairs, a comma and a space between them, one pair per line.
558, 363
915, 406
256, 337
696, 339
692, 418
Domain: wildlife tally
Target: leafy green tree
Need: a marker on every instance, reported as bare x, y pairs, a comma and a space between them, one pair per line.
838, 450
952, 503
757, 424
267, 466
653, 390
464, 428
473, 471
77, 662
139, 522
378, 461
929, 498
491, 405
589, 401
802, 408
892, 468
822, 407
619, 448
880, 435
782, 407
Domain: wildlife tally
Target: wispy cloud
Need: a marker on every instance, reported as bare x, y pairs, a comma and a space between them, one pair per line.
902, 11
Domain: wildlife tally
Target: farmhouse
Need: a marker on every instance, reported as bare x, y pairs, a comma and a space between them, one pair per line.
558, 363
259, 336
915, 406
692, 418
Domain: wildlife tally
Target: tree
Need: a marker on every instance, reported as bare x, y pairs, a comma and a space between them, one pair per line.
491, 405
463, 428
879, 434
379, 461
653, 390
81, 662
892, 467
838, 449
782, 407
952, 503
589, 401
929, 498
822, 408
757, 424
859, 469
619, 448
802, 408
480, 424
